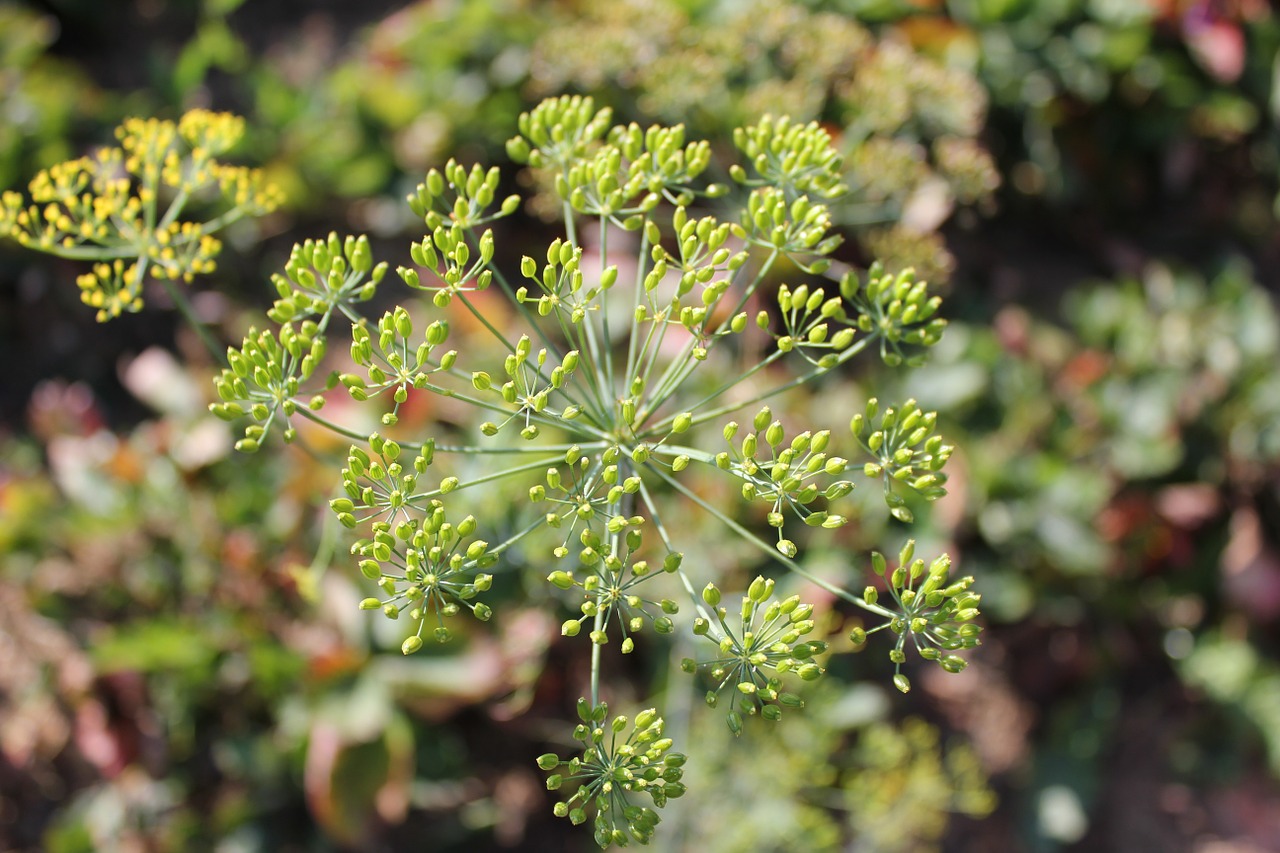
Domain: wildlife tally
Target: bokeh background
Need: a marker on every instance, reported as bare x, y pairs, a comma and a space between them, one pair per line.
1092, 183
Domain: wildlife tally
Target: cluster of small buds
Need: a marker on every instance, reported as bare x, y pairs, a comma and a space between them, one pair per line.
598, 187
792, 228
609, 586
594, 483
751, 660
426, 567
798, 158
615, 767
460, 197
396, 364
809, 317
382, 488
209, 134
265, 378
529, 386
784, 480
897, 309
661, 159
704, 261
112, 288
936, 615
562, 284
906, 449
447, 254
323, 276
558, 132
107, 207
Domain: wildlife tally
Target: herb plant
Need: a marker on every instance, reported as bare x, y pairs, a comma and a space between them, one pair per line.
605, 385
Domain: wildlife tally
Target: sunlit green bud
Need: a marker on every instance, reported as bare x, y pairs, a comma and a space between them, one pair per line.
774, 434
759, 589
899, 578
723, 462
901, 682
679, 463
640, 454
411, 645
570, 628
787, 548
370, 604
809, 672
600, 638
608, 277
481, 381
391, 611
682, 422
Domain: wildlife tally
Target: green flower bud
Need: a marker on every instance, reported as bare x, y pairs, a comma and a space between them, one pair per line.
411, 645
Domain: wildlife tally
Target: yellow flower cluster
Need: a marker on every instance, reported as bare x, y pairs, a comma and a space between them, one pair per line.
122, 207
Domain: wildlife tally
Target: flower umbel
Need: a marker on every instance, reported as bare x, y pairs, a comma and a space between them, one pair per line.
614, 771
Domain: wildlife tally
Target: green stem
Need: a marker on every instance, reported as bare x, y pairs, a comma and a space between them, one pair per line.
189, 314
787, 386
684, 364
637, 290
489, 478
764, 546
604, 304
665, 423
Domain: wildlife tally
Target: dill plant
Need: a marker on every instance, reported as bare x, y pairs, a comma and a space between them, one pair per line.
602, 398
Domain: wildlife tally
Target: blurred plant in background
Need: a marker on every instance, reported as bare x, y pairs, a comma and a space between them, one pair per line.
40, 96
